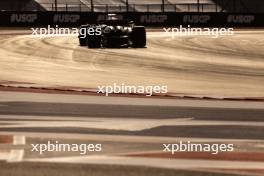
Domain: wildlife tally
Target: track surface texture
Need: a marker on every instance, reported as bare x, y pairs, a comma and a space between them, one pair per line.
228, 66
132, 132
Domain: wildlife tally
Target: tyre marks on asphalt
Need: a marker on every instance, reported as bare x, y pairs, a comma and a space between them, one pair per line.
180, 62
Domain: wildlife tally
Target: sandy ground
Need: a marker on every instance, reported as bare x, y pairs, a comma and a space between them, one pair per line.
133, 130
229, 66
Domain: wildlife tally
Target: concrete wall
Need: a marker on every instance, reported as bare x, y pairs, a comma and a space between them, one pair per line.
251, 6
20, 5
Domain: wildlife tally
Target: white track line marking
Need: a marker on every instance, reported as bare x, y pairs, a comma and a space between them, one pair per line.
19, 140
17, 155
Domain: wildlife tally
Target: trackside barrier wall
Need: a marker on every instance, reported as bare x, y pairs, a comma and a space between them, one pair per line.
28, 19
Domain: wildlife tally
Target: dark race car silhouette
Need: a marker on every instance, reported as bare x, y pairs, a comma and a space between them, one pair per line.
112, 33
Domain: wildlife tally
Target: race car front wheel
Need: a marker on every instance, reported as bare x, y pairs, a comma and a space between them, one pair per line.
138, 37
94, 41
83, 41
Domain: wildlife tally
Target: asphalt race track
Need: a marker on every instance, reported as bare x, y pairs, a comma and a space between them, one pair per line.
132, 130
229, 66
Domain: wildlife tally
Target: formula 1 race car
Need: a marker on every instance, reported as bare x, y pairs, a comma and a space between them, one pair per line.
112, 33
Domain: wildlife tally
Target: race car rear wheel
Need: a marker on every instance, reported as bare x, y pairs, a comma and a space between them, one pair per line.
138, 37
83, 35
83, 41
94, 41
